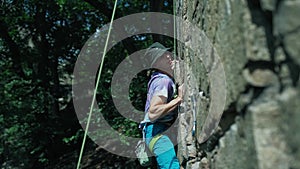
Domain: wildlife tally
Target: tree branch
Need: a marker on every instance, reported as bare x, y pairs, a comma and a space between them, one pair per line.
101, 7
128, 43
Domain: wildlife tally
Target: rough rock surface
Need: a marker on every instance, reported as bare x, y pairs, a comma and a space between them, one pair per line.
287, 27
258, 43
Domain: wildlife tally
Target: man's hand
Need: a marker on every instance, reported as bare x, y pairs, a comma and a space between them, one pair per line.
181, 91
159, 107
177, 67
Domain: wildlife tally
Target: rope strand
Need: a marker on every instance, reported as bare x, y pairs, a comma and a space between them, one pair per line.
174, 26
97, 83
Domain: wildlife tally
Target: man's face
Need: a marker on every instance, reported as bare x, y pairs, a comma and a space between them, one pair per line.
165, 63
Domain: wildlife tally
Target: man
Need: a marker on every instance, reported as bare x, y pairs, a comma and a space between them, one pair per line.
160, 106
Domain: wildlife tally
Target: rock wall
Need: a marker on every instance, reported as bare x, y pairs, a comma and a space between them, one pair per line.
257, 41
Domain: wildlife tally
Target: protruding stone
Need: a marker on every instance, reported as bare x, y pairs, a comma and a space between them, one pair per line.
289, 101
260, 77
284, 75
292, 43
244, 100
192, 151
179, 71
285, 19
269, 141
193, 165
182, 133
257, 47
279, 55
268, 4
256, 42
204, 163
287, 27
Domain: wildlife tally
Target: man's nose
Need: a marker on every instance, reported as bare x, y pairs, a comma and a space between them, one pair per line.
169, 57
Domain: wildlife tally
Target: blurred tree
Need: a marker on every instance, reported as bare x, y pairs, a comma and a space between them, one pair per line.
39, 45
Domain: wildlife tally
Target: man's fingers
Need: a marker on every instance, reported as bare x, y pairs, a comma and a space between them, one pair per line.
181, 90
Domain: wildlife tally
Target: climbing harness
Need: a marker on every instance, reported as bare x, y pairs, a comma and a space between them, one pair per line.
97, 83
153, 141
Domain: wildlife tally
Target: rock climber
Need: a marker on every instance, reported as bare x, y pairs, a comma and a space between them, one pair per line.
161, 105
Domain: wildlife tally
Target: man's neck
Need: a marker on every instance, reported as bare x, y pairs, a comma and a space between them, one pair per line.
165, 73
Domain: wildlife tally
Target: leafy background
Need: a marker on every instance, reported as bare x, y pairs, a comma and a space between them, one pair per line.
39, 44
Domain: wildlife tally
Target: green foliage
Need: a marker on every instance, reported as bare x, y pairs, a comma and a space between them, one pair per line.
39, 44
17, 123
74, 138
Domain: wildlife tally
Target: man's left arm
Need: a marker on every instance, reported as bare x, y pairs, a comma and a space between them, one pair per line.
159, 106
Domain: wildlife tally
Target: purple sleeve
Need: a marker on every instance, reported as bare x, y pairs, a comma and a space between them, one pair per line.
160, 87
